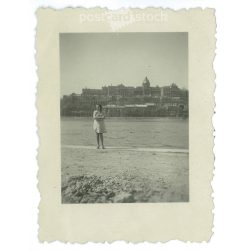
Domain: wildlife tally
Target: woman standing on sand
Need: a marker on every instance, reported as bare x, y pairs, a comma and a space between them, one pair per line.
99, 125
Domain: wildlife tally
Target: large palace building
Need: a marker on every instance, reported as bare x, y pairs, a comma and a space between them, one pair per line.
121, 100
124, 91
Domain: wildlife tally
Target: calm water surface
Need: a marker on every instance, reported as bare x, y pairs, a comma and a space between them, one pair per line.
127, 132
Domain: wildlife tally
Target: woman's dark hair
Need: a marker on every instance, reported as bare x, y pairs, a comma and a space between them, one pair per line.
100, 106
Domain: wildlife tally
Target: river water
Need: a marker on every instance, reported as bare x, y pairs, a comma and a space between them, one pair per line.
143, 132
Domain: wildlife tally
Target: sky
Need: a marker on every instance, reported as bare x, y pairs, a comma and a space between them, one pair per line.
93, 60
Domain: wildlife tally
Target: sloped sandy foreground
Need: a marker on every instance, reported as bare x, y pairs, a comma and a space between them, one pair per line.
118, 175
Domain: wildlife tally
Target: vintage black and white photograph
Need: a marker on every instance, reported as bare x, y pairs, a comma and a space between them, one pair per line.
124, 107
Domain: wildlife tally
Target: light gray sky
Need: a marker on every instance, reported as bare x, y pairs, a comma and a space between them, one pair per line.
94, 60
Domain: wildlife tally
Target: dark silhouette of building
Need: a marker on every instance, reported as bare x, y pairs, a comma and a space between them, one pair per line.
121, 100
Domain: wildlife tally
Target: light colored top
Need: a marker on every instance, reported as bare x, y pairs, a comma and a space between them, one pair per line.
99, 124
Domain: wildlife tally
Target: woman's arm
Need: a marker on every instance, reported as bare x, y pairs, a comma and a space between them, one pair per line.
101, 116
95, 115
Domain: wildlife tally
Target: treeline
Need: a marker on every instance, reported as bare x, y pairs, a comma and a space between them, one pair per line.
78, 106
129, 112
147, 112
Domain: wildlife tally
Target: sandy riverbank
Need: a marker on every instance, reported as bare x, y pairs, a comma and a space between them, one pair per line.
100, 176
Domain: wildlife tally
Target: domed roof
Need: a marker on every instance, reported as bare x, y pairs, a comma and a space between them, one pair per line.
146, 82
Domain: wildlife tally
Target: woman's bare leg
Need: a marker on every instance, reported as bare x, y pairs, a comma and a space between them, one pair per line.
97, 139
101, 135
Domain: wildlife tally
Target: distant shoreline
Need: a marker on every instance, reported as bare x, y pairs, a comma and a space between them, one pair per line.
80, 116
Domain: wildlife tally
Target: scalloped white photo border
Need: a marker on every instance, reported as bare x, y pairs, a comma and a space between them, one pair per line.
192, 221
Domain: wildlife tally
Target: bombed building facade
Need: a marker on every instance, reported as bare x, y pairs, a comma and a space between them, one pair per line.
121, 100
